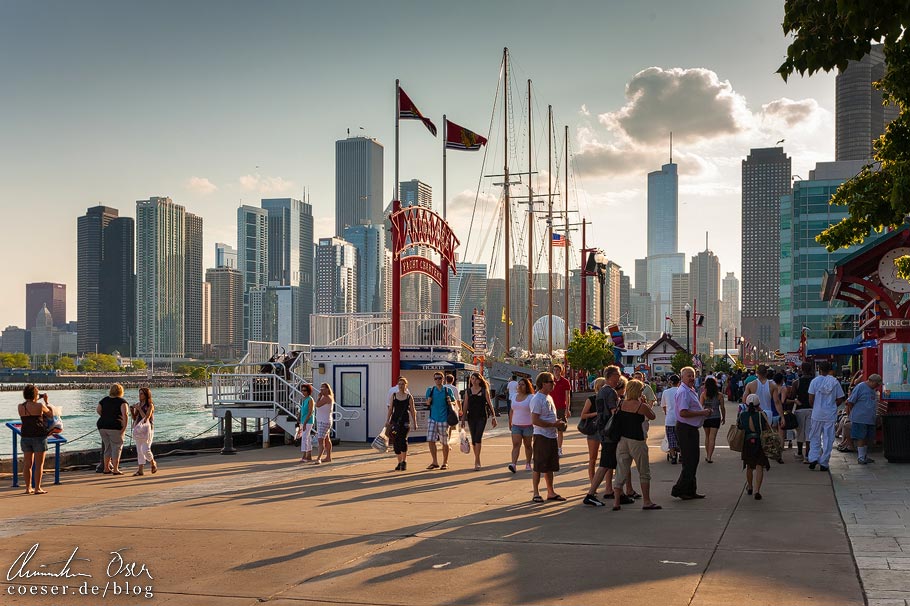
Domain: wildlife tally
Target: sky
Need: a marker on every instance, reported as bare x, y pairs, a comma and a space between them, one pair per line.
215, 104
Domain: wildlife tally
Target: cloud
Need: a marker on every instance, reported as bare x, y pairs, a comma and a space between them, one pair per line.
266, 185
200, 185
788, 113
694, 104
599, 159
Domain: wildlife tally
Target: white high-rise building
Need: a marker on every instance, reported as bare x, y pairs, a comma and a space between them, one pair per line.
704, 288
253, 262
729, 314
358, 183
336, 276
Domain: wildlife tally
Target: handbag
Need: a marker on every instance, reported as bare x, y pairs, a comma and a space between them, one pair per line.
771, 443
463, 443
736, 437
141, 431
790, 420
588, 426
610, 431
380, 442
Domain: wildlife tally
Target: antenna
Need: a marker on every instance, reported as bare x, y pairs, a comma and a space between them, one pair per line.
671, 147
706, 241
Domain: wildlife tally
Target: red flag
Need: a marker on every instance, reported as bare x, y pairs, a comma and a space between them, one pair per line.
458, 137
408, 111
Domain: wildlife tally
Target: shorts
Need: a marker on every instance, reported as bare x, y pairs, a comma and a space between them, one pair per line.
862, 431
525, 431
803, 415
323, 428
545, 454
33, 444
712, 423
561, 414
671, 437
608, 455
437, 431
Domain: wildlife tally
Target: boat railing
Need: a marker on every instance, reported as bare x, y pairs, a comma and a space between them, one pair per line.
374, 330
255, 390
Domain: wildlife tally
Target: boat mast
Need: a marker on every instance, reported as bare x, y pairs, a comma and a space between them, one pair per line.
550, 228
566, 250
530, 236
507, 219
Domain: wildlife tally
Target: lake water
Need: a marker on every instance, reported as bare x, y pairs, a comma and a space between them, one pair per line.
180, 412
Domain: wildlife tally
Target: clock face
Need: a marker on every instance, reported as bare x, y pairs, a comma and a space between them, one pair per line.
887, 271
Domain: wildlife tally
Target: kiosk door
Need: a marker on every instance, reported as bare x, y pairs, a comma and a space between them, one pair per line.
351, 403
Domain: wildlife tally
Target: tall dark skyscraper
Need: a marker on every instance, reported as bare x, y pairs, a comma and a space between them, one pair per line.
193, 277
860, 116
358, 183
118, 287
766, 177
89, 256
38, 294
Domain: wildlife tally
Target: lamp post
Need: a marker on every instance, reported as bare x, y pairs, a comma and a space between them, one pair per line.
726, 346
688, 317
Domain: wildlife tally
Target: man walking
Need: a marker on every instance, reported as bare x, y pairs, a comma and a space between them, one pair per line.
439, 397
545, 449
606, 401
562, 398
825, 394
861, 408
803, 408
689, 418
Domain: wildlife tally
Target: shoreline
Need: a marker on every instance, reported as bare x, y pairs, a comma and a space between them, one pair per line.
127, 382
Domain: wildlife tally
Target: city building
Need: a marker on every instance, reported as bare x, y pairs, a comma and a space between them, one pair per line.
89, 254
336, 277
663, 258
192, 286
803, 262
704, 288
206, 319
729, 306
252, 259
369, 242
418, 292
279, 307
495, 314
225, 255
641, 315
15, 340
625, 291
290, 253
467, 292
160, 278
592, 304
226, 312
47, 339
358, 183
682, 295
518, 301
860, 116
41, 294
766, 176
641, 275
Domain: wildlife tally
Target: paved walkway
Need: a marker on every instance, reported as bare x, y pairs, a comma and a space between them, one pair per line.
259, 527
875, 504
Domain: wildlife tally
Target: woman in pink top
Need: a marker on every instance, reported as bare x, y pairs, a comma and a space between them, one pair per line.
520, 423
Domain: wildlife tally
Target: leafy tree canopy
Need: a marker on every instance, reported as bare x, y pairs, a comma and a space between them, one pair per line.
15, 360
139, 364
826, 35
66, 364
589, 351
680, 360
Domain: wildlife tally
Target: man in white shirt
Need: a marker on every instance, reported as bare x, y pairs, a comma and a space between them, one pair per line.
545, 447
825, 395
512, 387
668, 403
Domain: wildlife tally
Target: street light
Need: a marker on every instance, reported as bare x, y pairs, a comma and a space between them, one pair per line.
688, 315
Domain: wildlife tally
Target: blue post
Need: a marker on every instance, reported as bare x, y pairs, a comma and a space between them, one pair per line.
56, 440
15, 456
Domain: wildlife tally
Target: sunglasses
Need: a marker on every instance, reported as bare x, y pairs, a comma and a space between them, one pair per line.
549, 381
437, 378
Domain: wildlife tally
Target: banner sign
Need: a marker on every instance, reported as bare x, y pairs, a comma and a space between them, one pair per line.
479, 331
421, 265
418, 226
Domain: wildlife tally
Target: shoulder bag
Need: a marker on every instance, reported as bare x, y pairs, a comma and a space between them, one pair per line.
736, 437
588, 426
452, 418
771, 443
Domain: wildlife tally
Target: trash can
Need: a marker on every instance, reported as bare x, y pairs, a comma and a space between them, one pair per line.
896, 437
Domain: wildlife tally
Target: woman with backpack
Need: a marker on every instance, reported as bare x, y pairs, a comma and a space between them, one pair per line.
753, 421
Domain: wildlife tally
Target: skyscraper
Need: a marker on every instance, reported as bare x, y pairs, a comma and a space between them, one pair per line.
417, 290
681, 296
225, 255
860, 116
89, 254
729, 312
160, 277
704, 288
192, 300
118, 285
766, 177
625, 291
369, 242
40, 294
358, 182
495, 312
467, 292
252, 261
227, 311
663, 258
336, 276
207, 319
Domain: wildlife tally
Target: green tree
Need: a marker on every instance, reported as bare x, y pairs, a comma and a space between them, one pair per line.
722, 364
139, 364
590, 351
103, 362
65, 363
680, 360
826, 35
88, 365
15, 360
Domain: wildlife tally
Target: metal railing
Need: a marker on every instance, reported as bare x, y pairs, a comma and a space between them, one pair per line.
255, 391
374, 330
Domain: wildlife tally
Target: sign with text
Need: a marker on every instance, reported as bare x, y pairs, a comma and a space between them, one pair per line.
894, 323
479, 331
421, 265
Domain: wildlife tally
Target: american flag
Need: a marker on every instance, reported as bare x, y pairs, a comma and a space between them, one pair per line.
559, 240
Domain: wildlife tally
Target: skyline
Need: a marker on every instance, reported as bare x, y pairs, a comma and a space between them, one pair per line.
260, 120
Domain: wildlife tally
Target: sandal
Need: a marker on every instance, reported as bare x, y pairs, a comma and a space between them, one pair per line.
444, 466
139, 473
42, 491
616, 507
432, 466
634, 495
652, 507
154, 468
537, 499
117, 473
556, 497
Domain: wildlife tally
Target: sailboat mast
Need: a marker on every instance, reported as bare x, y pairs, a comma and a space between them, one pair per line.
566, 249
550, 228
507, 219
530, 236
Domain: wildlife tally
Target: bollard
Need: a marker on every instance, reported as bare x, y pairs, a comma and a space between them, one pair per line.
228, 448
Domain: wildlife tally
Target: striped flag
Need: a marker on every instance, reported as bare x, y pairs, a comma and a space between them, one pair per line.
560, 240
408, 111
458, 137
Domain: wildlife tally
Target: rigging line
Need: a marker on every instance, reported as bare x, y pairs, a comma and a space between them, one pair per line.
483, 163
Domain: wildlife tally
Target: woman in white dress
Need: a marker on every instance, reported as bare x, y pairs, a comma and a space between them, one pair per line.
325, 406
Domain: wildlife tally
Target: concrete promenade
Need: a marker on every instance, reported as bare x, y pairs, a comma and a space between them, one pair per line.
259, 527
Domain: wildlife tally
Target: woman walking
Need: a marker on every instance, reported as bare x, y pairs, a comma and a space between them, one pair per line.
112, 415
712, 398
590, 412
753, 421
306, 419
325, 407
143, 414
631, 415
33, 415
520, 423
402, 414
476, 406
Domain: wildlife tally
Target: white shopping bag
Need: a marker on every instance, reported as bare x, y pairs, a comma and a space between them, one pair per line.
463, 443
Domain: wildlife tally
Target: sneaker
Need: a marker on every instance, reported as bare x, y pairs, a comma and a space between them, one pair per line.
626, 500
593, 501
867, 460
512, 467
560, 452
861, 461
528, 467
822, 468
758, 496
812, 465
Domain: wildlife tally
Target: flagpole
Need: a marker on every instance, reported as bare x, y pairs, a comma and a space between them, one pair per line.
396, 261
445, 137
565, 251
550, 225
507, 215
530, 236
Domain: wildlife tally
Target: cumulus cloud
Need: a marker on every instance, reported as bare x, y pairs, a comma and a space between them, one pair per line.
694, 104
789, 112
599, 159
266, 185
200, 185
